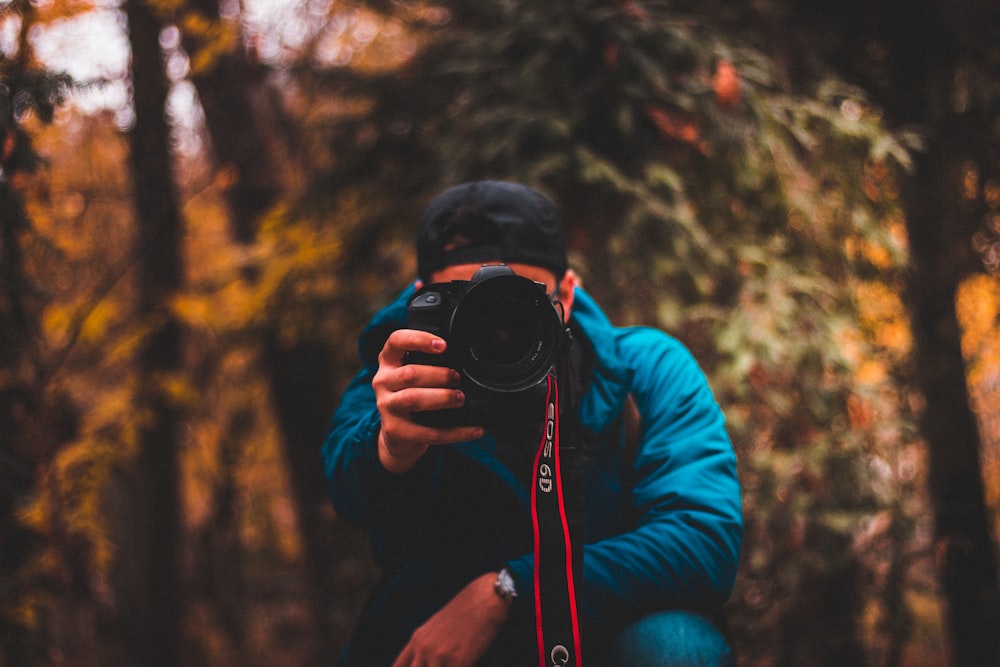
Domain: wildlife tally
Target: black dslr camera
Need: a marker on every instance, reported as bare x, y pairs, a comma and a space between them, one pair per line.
504, 337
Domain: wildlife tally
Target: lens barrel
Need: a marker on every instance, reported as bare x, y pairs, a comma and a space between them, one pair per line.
505, 333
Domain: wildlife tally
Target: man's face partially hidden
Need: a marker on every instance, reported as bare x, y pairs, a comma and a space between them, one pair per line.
565, 287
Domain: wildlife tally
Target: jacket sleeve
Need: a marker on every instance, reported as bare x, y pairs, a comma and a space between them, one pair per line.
362, 491
683, 548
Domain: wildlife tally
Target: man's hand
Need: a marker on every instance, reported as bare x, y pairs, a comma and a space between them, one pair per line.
401, 390
459, 634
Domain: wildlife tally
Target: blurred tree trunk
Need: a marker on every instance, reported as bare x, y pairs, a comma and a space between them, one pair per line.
156, 636
17, 407
923, 62
965, 549
230, 88
239, 115
17, 412
928, 53
34, 421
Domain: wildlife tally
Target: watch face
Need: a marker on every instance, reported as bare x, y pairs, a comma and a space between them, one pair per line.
504, 585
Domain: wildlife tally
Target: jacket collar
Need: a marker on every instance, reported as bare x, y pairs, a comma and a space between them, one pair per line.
611, 378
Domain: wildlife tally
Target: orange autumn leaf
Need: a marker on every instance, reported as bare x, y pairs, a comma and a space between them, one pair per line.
727, 86
674, 125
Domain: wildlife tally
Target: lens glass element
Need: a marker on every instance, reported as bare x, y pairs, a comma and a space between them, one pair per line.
506, 332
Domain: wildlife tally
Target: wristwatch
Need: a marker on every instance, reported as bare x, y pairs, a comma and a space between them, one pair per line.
504, 586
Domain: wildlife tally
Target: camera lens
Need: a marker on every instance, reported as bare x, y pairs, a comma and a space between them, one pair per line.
507, 333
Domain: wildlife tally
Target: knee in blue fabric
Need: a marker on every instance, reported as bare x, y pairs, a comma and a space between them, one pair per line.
671, 639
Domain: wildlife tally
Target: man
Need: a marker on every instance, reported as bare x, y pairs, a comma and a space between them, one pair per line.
449, 510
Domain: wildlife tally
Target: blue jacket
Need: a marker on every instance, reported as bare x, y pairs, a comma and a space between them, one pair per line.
663, 518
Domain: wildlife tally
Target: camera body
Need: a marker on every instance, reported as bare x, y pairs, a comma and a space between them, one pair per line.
504, 337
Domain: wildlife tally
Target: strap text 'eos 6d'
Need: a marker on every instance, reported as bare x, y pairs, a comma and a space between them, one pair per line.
556, 623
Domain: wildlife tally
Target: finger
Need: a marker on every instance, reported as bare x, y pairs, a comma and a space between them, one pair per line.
407, 433
426, 436
417, 376
405, 402
402, 341
447, 436
404, 659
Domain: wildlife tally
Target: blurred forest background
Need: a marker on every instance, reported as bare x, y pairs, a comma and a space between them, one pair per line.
202, 201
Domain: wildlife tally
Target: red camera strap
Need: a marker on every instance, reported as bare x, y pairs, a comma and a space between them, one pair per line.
556, 623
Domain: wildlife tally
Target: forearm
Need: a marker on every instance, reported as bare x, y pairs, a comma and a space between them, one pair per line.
361, 488
398, 458
654, 567
461, 632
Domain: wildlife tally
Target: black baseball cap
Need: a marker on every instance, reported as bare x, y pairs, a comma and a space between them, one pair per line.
490, 221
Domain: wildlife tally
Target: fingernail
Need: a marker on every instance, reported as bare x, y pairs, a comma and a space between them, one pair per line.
460, 397
437, 344
455, 377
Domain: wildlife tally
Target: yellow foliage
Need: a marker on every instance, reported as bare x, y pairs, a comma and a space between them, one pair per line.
82, 473
894, 335
114, 414
881, 312
69, 499
31, 608
215, 40
56, 320
871, 371
98, 321
196, 24
927, 639
166, 8
978, 308
127, 343
178, 389
35, 514
50, 12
